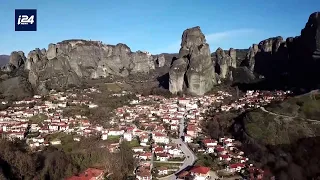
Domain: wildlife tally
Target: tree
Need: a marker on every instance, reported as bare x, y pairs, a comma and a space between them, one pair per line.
121, 162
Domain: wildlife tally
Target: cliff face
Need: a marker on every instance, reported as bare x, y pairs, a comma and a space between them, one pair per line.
194, 68
295, 59
224, 63
68, 62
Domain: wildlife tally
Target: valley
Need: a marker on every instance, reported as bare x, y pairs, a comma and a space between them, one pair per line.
84, 109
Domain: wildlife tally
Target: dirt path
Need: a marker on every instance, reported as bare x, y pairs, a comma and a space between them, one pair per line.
285, 116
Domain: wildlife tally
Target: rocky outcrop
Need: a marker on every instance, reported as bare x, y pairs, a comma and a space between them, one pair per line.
224, 62
160, 60
293, 62
4, 59
176, 75
68, 62
17, 58
194, 65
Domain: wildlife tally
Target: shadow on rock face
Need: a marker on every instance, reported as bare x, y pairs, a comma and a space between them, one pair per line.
164, 81
173, 59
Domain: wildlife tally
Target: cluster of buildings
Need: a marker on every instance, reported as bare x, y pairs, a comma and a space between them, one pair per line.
231, 159
151, 124
158, 121
34, 118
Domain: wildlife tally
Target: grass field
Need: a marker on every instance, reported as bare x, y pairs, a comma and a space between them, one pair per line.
114, 87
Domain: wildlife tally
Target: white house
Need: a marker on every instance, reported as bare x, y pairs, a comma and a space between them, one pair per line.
137, 149
162, 157
55, 142
115, 132
235, 167
188, 138
127, 136
160, 138
162, 171
200, 173
104, 136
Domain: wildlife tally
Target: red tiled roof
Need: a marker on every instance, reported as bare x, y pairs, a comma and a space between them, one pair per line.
87, 175
224, 156
200, 169
206, 141
220, 149
158, 149
237, 165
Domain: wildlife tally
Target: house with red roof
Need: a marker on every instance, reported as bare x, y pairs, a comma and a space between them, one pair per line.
158, 150
163, 157
224, 157
89, 174
209, 142
160, 138
221, 150
235, 167
146, 156
143, 174
162, 171
200, 172
191, 130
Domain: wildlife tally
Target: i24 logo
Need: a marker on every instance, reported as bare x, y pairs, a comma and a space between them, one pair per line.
25, 20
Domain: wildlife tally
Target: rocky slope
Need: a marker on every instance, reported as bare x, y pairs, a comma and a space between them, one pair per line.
282, 145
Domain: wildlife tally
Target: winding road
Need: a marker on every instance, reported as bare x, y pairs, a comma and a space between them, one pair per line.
190, 158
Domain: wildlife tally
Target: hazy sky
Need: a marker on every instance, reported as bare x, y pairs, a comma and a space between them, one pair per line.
154, 25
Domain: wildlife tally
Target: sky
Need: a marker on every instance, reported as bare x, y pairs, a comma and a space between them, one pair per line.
155, 26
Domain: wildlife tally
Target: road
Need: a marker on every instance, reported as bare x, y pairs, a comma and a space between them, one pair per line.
310, 120
189, 161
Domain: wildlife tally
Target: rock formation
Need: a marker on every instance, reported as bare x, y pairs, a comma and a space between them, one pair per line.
224, 62
66, 63
176, 75
4, 59
160, 60
294, 61
17, 59
194, 67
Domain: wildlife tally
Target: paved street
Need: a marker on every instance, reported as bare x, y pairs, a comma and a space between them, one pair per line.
190, 157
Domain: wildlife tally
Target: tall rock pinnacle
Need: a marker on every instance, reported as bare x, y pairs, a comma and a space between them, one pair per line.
194, 68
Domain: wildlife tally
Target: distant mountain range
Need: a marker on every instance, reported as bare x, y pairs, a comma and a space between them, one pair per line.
4, 59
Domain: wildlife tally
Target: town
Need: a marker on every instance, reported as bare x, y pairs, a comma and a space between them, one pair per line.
160, 130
